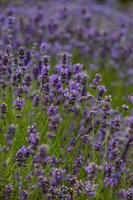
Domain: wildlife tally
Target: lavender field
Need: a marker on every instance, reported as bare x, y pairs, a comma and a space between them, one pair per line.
66, 100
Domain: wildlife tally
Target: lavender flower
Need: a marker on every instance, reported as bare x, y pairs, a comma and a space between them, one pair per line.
22, 155
8, 191
90, 189
19, 104
24, 195
3, 110
33, 137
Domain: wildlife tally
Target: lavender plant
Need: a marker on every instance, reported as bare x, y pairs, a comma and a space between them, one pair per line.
96, 37
61, 137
